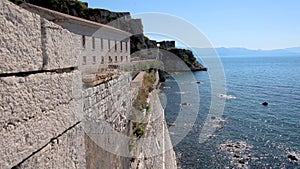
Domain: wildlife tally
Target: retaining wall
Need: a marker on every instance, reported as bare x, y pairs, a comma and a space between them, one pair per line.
40, 92
45, 110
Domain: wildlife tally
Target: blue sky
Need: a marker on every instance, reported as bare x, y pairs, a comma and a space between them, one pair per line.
253, 24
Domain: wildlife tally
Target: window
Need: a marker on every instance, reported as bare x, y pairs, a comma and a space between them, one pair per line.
121, 58
93, 42
126, 58
116, 46
121, 47
102, 59
108, 44
83, 41
109, 59
116, 58
84, 60
101, 43
94, 59
126, 47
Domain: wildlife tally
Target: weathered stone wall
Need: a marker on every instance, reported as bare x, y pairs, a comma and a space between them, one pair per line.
154, 149
34, 109
40, 93
61, 152
109, 103
45, 111
20, 37
60, 47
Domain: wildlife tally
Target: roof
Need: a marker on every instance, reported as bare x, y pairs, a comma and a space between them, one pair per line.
58, 18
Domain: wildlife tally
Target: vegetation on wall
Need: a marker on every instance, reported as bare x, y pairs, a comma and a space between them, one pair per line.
140, 103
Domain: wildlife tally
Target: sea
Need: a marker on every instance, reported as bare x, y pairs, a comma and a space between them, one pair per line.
248, 134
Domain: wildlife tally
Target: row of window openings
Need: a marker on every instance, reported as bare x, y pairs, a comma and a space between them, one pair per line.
110, 60
94, 46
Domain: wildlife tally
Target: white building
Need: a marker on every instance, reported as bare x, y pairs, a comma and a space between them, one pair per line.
101, 45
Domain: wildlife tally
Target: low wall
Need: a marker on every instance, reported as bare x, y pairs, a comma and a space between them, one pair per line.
154, 150
110, 103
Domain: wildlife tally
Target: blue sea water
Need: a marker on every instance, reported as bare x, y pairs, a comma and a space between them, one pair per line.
272, 132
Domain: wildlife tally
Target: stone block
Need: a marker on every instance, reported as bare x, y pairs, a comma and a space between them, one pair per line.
61, 48
20, 39
33, 110
67, 151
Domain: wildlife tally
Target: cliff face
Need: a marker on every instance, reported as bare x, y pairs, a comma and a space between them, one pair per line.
140, 42
188, 57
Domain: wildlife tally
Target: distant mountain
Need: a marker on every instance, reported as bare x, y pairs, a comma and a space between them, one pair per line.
294, 50
247, 52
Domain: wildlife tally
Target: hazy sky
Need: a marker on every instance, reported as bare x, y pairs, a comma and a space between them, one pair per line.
254, 24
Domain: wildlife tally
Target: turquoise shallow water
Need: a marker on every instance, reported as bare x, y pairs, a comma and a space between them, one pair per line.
273, 132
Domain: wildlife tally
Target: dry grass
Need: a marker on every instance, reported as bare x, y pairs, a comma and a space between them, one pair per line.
140, 102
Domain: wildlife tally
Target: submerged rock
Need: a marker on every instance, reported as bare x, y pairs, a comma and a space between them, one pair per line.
185, 104
199, 82
171, 124
238, 152
224, 96
292, 157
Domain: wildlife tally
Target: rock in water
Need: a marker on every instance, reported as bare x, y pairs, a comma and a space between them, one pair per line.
292, 157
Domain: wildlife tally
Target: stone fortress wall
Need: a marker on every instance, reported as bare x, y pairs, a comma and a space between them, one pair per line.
43, 99
38, 100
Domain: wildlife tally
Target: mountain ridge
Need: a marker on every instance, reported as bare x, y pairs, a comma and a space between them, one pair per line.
233, 51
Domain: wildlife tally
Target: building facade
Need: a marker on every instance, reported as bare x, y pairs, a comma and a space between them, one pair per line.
101, 45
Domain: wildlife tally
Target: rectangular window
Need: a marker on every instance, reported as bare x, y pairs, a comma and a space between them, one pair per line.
116, 46
102, 59
94, 59
126, 58
93, 42
121, 58
126, 47
101, 43
116, 59
84, 60
121, 47
109, 45
109, 59
83, 41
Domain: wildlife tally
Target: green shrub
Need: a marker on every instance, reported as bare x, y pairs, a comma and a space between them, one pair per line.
139, 131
